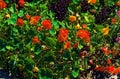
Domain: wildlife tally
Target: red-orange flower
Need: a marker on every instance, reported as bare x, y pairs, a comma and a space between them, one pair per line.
75, 45
63, 35
2, 4
28, 16
105, 50
116, 70
39, 28
84, 35
34, 19
47, 24
110, 69
83, 53
84, 25
20, 22
21, 3
99, 68
108, 61
67, 45
36, 40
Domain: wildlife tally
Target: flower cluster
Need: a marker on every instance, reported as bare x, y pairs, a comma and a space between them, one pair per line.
84, 35
20, 22
108, 69
21, 3
2, 4
34, 19
46, 24
63, 35
36, 40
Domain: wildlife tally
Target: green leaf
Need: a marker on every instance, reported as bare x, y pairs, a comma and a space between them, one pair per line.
11, 9
49, 57
9, 47
7, 1
76, 1
15, 30
55, 24
21, 13
13, 19
52, 32
51, 42
45, 74
37, 49
80, 46
75, 73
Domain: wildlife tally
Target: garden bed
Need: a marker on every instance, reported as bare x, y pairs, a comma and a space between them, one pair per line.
59, 39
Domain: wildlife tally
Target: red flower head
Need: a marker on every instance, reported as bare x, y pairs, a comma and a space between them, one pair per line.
21, 3
47, 24
63, 35
108, 61
2, 4
34, 20
84, 34
116, 70
75, 45
105, 50
27, 16
20, 22
67, 45
110, 69
99, 68
36, 40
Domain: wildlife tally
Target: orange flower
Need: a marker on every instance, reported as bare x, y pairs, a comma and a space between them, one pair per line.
72, 18
117, 3
92, 1
83, 53
63, 35
47, 24
110, 69
67, 45
116, 70
21, 3
36, 40
93, 11
91, 62
34, 20
108, 61
99, 68
39, 28
113, 21
28, 16
84, 35
84, 25
105, 50
105, 30
20, 22
2, 4
75, 45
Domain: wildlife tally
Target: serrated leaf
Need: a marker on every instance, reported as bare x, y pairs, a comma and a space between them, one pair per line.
21, 13
55, 24
75, 73
80, 46
13, 19
51, 42
52, 32
45, 74
11, 9
75, 1
15, 30
37, 49
9, 47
